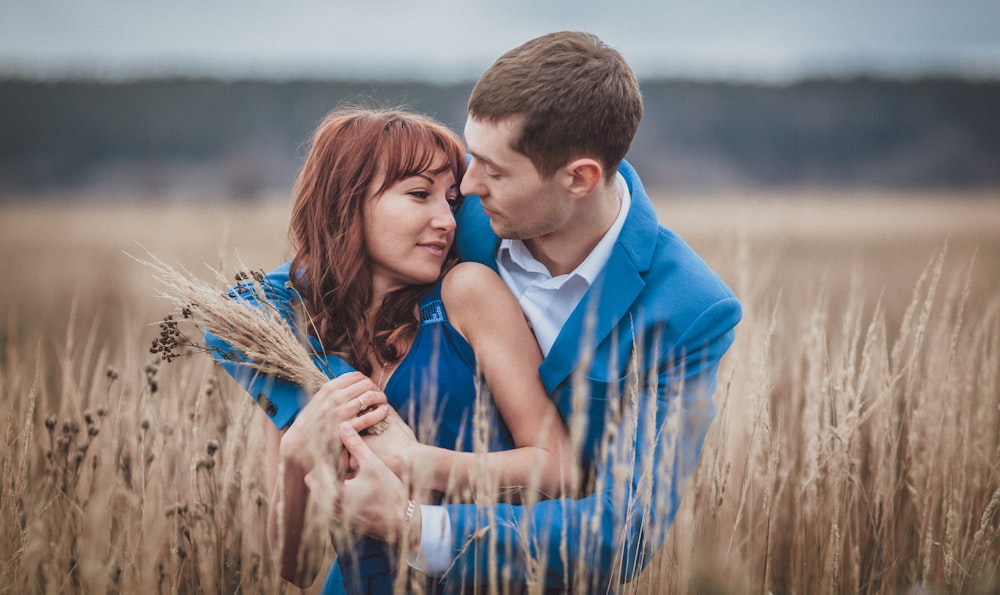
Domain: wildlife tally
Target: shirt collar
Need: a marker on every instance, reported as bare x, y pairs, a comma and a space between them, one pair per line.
516, 253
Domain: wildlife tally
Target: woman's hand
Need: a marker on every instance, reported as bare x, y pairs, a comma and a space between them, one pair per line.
396, 446
315, 436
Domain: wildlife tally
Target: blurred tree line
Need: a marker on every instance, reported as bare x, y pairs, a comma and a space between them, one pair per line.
226, 139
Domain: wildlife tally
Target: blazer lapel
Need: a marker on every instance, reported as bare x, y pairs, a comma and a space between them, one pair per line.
598, 313
613, 292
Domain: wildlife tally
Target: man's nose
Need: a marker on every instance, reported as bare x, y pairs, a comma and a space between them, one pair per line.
472, 180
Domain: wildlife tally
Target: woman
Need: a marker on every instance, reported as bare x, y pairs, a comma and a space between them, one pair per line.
373, 228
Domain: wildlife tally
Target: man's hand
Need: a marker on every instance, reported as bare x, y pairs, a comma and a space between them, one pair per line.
396, 445
373, 501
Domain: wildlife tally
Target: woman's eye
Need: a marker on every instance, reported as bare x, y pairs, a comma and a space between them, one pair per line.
420, 193
454, 202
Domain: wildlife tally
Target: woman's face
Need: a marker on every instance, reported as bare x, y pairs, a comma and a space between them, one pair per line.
409, 229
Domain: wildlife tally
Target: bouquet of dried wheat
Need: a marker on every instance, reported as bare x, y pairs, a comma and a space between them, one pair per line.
245, 318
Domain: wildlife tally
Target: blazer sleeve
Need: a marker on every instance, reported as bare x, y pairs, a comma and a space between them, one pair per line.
280, 399
608, 537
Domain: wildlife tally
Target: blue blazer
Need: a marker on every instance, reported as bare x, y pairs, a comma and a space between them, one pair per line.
658, 308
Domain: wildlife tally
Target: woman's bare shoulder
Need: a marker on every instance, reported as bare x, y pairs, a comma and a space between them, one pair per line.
469, 276
471, 289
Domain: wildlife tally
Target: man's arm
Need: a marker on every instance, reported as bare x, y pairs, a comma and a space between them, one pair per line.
648, 456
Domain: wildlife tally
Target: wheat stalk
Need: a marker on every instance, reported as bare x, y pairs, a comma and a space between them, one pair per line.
245, 319
253, 327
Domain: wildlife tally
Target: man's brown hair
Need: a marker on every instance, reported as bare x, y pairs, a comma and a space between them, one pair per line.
574, 95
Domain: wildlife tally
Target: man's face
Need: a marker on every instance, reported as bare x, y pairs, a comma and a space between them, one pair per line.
519, 202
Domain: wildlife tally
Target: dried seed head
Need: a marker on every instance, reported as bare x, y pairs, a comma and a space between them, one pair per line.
144, 424
50, 422
213, 446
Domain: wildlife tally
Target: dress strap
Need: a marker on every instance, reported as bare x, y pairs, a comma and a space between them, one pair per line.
432, 308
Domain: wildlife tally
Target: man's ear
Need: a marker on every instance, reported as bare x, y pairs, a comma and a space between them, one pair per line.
583, 176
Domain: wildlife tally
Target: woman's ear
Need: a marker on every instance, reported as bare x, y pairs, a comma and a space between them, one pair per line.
583, 176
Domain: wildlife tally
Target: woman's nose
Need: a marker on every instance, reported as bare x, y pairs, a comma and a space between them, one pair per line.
444, 218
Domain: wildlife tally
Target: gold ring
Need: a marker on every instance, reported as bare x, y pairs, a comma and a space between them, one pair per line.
362, 402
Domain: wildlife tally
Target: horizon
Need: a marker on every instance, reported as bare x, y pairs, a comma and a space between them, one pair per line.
779, 41
842, 77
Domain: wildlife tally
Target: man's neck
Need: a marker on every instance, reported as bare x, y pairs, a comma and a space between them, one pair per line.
562, 251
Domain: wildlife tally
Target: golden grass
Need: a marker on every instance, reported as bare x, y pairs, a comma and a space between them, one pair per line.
856, 444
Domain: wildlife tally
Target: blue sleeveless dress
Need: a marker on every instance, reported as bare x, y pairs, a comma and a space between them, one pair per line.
434, 389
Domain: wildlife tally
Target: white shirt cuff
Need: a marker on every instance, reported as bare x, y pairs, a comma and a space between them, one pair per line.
434, 556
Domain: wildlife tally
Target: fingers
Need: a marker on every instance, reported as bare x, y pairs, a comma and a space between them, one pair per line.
344, 388
351, 397
343, 398
349, 391
369, 418
366, 400
354, 444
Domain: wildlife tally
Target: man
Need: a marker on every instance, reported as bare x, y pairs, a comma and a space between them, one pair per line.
631, 321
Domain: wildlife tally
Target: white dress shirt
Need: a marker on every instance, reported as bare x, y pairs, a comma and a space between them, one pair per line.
547, 302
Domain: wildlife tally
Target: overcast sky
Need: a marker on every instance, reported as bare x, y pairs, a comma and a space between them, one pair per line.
456, 40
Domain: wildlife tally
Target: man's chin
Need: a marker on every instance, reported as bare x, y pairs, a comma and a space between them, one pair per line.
504, 232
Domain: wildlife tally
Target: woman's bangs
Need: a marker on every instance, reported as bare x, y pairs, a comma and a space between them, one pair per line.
413, 151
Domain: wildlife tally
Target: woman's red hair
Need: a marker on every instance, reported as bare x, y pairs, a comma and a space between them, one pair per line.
352, 149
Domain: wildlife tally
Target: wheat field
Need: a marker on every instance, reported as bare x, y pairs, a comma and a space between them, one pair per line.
856, 446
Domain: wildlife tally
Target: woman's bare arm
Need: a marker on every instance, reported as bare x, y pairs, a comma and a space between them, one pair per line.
481, 307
